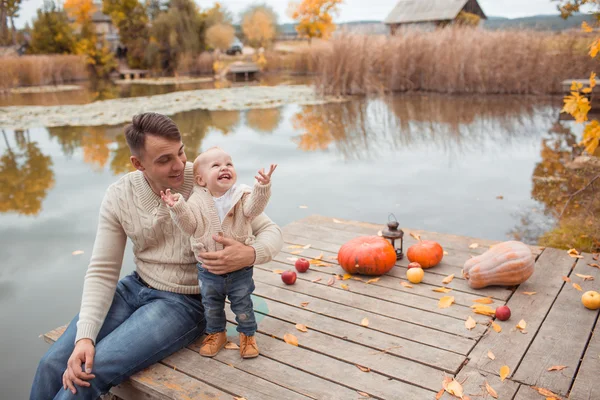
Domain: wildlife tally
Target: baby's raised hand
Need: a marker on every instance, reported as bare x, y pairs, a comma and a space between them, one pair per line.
265, 178
169, 198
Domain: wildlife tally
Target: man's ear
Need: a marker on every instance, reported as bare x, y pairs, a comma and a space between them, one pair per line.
137, 164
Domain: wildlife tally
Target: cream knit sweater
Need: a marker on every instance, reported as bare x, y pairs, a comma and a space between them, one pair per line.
198, 217
162, 253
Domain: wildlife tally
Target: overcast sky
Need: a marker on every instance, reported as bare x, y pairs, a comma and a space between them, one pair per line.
352, 10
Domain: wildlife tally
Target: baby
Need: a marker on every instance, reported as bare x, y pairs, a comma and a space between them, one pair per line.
218, 206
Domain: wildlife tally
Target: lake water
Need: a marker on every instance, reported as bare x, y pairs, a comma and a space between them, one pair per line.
436, 162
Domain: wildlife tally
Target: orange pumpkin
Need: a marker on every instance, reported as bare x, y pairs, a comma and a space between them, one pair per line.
427, 253
367, 255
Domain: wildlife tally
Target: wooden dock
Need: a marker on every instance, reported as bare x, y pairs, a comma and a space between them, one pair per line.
386, 341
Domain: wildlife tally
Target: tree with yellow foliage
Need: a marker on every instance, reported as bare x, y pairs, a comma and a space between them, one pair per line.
259, 25
577, 102
315, 17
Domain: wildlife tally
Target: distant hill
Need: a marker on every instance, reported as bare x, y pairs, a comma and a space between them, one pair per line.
537, 22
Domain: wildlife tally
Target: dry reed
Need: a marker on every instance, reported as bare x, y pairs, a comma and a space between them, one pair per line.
41, 70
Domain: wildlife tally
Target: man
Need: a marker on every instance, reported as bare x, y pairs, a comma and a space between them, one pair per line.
125, 326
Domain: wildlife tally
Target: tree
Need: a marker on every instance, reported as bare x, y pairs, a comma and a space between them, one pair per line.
12, 12
217, 15
577, 103
259, 25
51, 33
131, 19
315, 18
220, 36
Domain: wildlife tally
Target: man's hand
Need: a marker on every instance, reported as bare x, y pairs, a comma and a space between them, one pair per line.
265, 178
82, 354
234, 256
169, 198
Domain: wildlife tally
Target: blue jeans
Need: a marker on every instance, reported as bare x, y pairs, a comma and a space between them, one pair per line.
142, 327
237, 286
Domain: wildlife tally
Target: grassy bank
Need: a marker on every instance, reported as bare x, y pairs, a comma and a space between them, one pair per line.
41, 70
447, 61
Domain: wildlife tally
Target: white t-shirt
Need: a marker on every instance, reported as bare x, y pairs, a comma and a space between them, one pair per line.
223, 203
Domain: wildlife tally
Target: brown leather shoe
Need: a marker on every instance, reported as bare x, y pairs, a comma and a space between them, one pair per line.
212, 343
248, 346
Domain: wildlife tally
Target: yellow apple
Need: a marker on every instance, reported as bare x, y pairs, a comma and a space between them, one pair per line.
591, 300
415, 275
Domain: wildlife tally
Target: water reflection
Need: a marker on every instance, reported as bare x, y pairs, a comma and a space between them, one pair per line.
25, 175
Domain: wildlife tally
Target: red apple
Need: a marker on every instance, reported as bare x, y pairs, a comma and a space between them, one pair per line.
288, 277
503, 313
414, 265
302, 265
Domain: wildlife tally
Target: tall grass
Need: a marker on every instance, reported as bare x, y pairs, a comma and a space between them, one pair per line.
41, 70
202, 64
454, 60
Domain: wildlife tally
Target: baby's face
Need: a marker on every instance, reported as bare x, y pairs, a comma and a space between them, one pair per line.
216, 171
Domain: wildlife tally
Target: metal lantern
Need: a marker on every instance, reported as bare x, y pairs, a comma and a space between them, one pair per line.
392, 233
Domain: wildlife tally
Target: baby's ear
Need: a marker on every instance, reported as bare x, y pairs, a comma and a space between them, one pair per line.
200, 181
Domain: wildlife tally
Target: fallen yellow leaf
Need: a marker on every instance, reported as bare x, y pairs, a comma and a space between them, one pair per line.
491, 390
319, 257
594, 265
346, 277
439, 394
529, 293
585, 277
332, 258
295, 246
316, 280
406, 284
304, 304
574, 253
301, 328
474, 245
496, 327
306, 246
365, 322
491, 355
483, 310
416, 236
296, 252
290, 339
77, 252
239, 398
442, 290
331, 281
522, 325
231, 346
292, 259
278, 271
545, 392
373, 280
576, 286
345, 287
448, 279
445, 253
504, 371
470, 323
446, 301
455, 389
484, 300
566, 279
357, 278
363, 394
363, 369
557, 368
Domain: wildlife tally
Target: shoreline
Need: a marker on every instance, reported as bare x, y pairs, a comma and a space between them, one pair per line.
118, 111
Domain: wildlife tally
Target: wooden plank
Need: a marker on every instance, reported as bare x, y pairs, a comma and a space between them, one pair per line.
157, 382
367, 228
563, 336
388, 325
392, 280
473, 382
510, 345
336, 371
223, 376
282, 374
354, 354
441, 322
365, 336
528, 393
433, 276
418, 304
586, 386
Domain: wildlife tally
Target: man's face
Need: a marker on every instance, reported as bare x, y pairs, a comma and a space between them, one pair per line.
163, 162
